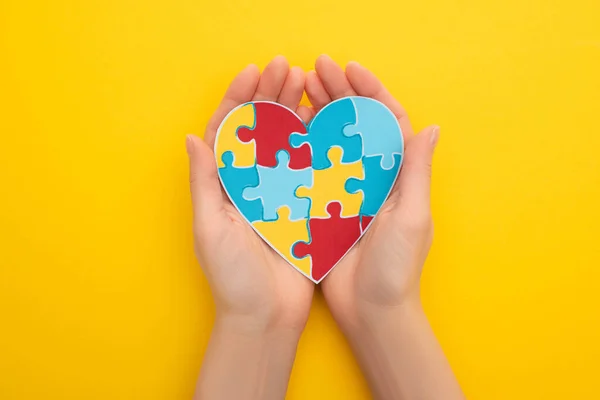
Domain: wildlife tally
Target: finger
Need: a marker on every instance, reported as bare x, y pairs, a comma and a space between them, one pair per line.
293, 88
366, 84
241, 90
414, 182
333, 77
272, 79
306, 113
207, 197
315, 91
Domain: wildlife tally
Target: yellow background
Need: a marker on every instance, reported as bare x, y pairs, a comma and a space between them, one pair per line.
100, 296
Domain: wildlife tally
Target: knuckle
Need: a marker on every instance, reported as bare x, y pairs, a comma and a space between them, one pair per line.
193, 177
419, 166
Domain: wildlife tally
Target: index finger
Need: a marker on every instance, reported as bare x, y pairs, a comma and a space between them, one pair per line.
241, 90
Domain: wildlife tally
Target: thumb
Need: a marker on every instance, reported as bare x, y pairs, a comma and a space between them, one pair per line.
414, 182
207, 197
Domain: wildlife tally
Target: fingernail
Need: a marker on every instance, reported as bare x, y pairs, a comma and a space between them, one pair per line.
355, 63
189, 144
280, 58
299, 70
434, 135
248, 68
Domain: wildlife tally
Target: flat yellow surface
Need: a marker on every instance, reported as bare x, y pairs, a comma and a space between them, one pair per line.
100, 295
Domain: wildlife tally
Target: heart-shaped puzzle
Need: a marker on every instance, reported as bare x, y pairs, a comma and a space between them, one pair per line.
310, 192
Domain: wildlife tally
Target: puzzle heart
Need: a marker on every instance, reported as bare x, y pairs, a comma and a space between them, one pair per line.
310, 193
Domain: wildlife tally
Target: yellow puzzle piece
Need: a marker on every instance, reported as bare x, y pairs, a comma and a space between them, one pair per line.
244, 153
283, 233
328, 185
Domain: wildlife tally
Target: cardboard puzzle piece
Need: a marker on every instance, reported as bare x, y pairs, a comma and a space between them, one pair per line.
282, 233
329, 185
379, 129
365, 221
242, 117
274, 124
326, 131
376, 185
330, 239
236, 180
276, 188
310, 194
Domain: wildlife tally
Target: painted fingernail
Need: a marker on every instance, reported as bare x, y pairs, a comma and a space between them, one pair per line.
434, 135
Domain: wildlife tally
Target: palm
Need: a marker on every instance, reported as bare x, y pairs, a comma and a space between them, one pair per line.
261, 279
382, 266
246, 275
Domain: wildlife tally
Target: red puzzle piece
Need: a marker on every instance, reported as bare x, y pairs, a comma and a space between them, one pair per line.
330, 240
274, 124
365, 220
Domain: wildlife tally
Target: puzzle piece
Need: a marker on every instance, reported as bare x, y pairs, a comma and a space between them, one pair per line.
376, 184
365, 221
242, 117
235, 180
282, 233
329, 185
330, 240
277, 186
325, 131
379, 129
274, 124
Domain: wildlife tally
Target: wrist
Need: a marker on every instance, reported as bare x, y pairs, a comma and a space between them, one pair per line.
254, 327
257, 357
378, 336
370, 319
399, 354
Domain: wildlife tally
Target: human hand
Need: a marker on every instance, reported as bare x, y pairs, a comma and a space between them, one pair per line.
253, 287
373, 293
382, 271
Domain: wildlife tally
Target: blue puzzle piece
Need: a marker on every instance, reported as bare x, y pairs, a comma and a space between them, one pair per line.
326, 130
376, 185
235, 180
277, 188
379, 129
